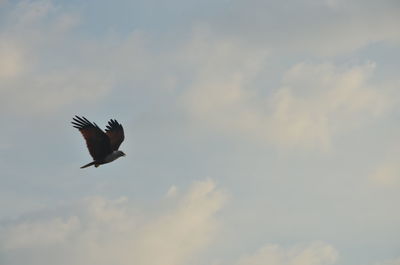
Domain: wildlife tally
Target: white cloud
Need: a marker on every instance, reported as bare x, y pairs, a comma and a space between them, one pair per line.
28, 12
173, 191
313, 254
43, 57
53, 91
318, 100
45, 233
100, 231
11, 60
390, 262
37, 71
313, 103
387, 174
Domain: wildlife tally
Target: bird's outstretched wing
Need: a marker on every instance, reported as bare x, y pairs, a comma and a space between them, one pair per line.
115, 132
97, 141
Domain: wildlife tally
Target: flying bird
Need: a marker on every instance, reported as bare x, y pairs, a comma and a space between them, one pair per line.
103, 146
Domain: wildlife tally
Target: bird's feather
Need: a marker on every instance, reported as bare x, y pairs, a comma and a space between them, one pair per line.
97, 141
115, 132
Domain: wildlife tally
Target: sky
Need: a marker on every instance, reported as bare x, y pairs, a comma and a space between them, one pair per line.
256, 132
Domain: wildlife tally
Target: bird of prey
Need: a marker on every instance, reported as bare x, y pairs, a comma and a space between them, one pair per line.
103, 146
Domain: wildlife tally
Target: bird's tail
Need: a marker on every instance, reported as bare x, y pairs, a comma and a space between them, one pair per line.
88, 165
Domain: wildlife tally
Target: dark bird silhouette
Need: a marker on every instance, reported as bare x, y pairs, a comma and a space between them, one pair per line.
103, 146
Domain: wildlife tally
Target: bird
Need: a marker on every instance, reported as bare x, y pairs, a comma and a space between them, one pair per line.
102, 146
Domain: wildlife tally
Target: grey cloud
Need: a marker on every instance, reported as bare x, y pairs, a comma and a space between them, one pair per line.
316, 27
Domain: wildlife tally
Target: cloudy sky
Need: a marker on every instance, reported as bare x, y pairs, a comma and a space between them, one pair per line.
258, 132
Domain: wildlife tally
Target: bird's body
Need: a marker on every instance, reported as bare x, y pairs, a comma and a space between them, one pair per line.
103, 146
109, 158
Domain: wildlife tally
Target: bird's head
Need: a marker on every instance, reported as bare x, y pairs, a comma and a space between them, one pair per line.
120, 153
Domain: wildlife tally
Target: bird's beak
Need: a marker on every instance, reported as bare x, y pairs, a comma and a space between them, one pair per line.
124, 154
